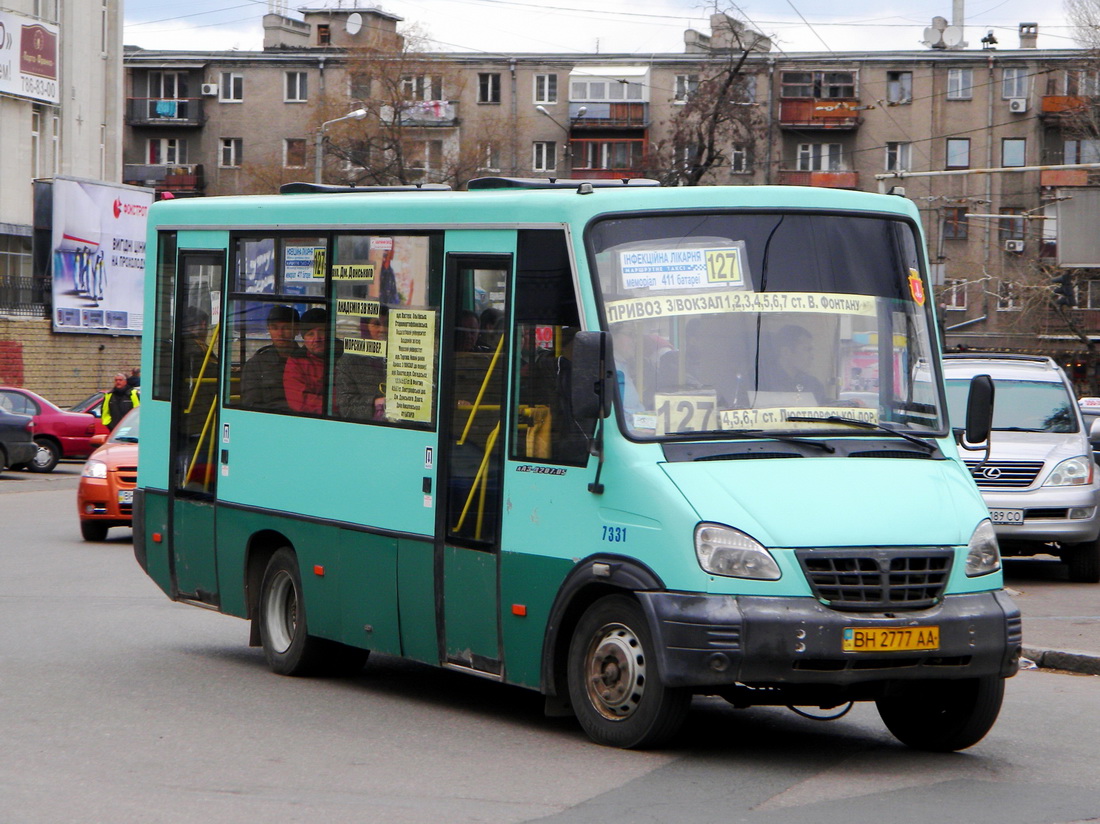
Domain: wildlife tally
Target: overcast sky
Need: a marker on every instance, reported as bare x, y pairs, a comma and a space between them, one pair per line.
630, 26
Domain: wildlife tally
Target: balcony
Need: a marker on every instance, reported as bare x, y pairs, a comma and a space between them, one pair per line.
826, 180
814, 113
1060, 106
426, 113
1049, 178
184, 181
185, 112
609, 115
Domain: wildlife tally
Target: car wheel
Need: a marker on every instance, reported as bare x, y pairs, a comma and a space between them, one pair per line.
1083, 561
93, 530
284, 634
47, 456
943, 716
614, 685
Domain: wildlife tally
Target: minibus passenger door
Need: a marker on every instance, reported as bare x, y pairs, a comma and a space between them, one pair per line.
472, 433
195, 441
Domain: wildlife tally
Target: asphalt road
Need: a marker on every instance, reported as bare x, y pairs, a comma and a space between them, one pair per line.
118, 705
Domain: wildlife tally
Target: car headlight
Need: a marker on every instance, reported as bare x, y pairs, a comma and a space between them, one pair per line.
1071, 472
95, 469
729, 552
982, 553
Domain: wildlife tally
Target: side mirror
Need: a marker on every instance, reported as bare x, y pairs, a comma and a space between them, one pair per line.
591, 378
979, 409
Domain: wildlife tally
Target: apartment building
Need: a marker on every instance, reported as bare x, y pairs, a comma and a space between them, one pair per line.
222, 123
61, 97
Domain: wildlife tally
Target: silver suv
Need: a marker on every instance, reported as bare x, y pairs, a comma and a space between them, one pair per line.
1040, 481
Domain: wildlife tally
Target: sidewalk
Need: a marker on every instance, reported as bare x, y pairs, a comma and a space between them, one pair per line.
1061, 620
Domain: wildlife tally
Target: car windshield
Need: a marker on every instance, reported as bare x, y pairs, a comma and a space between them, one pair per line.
127, 429
1029, 406
766, 321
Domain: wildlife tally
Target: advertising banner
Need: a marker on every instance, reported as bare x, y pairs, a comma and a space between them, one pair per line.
98, 256
28, 58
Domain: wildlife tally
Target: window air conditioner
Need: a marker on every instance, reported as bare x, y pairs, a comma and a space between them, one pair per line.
210, 89
1014, 246
1017, 105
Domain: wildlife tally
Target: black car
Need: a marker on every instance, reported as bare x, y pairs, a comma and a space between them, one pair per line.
17, 444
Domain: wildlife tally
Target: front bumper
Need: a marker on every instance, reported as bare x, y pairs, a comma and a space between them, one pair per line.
722, 640
1047, 513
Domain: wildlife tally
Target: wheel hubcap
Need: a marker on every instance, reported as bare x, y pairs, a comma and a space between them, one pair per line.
615, 672
43, 456
281, 613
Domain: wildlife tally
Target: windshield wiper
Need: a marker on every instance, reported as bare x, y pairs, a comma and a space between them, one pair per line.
761, 435
931, 447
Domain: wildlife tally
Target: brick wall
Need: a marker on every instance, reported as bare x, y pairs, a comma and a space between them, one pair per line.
64, 368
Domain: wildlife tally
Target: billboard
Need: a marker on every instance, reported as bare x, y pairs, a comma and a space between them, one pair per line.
98, 256
1078, 240
28, 58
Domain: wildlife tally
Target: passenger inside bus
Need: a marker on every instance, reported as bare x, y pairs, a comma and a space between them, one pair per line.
794, 356
262, 375
304, 376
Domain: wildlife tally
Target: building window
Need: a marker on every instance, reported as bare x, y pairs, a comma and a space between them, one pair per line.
897, 157
955, 226
1092, 294
231, 87
544, 156
232, 152
1081, 151
294, 152
324, 34
899, 87
359, 87
297, 89
426, 156
1013, 83
958, 153
546, 88
960, 84
1082, 83
488, 88
686, 84
167, 151
820, 157
1012, 228
822, 85
46, 10
609, 90
744, 89
1013, 151
1008, 296
422, 87
490, 157
953, 295
739, 161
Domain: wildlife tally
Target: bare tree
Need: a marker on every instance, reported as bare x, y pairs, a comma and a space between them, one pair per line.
717, 112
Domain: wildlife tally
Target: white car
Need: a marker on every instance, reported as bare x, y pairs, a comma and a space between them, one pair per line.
1040, 480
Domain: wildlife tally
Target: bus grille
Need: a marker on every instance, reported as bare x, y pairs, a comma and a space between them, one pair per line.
1004, 474
877, 578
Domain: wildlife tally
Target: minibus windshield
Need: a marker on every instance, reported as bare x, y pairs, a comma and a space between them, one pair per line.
766, 321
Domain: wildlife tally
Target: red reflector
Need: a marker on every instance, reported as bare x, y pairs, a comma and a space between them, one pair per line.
157, 537
318, 570
519, 609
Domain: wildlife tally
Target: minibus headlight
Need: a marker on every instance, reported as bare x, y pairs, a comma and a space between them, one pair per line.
95, 469
1071, 472
725, 551
982, 553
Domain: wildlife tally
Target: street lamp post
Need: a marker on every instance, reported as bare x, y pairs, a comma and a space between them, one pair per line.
567, 129
319, 150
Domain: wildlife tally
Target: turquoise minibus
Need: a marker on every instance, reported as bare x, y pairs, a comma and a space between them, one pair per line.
618, 443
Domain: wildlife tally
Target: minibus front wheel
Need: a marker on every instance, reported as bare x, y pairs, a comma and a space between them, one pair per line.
614, 685
943, 715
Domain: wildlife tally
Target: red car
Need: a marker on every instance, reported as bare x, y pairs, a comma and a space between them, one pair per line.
105, 496
58, 434
93, 405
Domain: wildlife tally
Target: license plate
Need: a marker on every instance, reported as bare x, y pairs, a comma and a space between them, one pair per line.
907, 639
1007, 516
126, 496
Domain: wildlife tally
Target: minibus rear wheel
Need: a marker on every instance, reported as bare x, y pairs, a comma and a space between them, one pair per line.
614, 685
288, 647
943, 715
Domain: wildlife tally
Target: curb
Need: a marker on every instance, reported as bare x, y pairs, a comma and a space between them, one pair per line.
1085, 663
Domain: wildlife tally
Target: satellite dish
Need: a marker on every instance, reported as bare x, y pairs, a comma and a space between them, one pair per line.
952, 36
354, 23
932, 37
